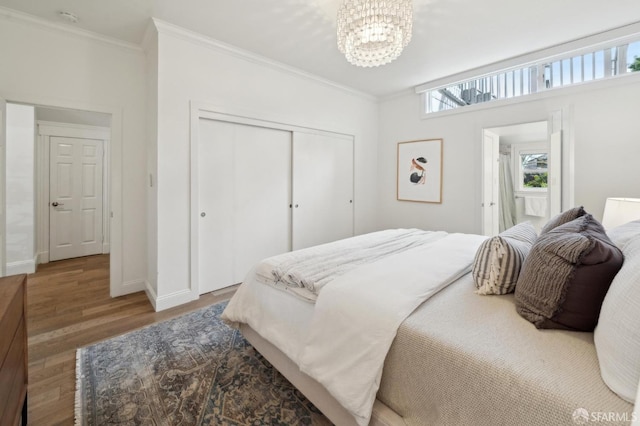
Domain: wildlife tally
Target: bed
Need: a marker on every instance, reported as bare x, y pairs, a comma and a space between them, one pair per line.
454, 357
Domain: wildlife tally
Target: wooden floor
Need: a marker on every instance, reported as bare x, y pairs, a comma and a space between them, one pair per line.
69, 307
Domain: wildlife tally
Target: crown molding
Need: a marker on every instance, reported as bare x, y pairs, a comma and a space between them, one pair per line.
396, 95
14, 15
170, 29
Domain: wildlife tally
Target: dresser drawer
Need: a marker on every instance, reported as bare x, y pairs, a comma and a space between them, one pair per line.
10, 320
13, 349
13, 376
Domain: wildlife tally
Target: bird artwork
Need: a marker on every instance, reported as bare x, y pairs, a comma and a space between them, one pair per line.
418, 171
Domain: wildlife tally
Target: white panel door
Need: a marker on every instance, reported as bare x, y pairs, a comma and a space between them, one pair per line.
244, 192
3, 207
555, 173
322, 188
75, 193
490, 184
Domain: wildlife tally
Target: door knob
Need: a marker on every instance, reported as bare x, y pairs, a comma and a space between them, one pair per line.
56, 204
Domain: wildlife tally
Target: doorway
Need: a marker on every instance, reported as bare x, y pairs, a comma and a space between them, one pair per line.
521, 175
61, 153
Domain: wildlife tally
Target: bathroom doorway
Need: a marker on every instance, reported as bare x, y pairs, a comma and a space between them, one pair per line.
521, 175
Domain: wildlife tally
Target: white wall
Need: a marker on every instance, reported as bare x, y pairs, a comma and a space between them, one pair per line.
193, 69
20, 191
605, 137
43, 64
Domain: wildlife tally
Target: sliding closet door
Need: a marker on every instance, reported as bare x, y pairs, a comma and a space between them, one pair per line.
322, 188
244, 175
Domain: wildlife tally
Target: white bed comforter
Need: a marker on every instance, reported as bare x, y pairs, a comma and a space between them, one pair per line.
357, 315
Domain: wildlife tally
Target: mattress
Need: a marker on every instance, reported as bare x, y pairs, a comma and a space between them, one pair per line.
465, 359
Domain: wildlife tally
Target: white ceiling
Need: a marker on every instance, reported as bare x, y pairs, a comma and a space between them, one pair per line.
449, 36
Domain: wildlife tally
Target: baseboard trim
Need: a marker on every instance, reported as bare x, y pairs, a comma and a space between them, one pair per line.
22, 267
160, 303
43, 257
128, 287
151, 294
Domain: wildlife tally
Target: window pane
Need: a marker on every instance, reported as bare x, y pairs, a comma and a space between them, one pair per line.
566, 72
588, 66
633, 56
509, 91
494, 86
556, 76
577, 69
534, 170
434, 101
517, 82
599, 68
548, 76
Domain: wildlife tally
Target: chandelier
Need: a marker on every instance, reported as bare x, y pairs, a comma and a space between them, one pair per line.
374, 32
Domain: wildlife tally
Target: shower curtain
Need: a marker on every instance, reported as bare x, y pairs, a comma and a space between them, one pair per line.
507, 197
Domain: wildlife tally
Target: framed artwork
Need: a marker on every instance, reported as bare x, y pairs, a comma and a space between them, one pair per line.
420, 171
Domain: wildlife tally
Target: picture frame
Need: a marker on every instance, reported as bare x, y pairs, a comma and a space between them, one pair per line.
419, 176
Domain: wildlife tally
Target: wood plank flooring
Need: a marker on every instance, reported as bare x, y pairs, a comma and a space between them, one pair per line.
69, 307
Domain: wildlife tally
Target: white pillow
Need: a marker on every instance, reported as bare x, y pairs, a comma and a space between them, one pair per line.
617, 336
623, 234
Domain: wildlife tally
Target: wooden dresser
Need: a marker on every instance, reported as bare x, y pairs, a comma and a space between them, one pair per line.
13, 350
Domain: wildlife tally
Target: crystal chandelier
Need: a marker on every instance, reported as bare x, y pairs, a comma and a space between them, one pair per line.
374, 32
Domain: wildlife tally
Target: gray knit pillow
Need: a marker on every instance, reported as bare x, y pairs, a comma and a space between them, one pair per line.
562, 218
566, 276
498, 260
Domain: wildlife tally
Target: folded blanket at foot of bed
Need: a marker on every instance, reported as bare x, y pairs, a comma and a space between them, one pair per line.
305, 272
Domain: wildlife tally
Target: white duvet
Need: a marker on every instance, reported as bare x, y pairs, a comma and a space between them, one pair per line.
356, 316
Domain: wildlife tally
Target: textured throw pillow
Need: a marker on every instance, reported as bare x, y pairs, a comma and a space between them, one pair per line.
617, 336
562, 218
566, 276
499, 259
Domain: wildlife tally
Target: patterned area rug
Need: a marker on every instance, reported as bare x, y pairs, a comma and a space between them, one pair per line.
191, 370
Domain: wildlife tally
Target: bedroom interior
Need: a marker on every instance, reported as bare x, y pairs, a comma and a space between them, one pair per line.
180, 97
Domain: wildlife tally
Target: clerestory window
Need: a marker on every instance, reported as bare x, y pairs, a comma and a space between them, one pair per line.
591, 65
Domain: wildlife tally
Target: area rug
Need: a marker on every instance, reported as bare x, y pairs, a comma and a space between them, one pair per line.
191, 370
